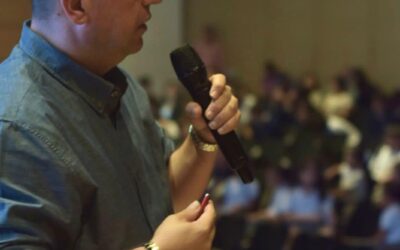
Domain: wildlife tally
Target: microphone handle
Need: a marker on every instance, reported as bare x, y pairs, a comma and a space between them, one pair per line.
229, 143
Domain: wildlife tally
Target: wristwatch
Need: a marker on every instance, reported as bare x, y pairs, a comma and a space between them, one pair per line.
207, 147
151, 246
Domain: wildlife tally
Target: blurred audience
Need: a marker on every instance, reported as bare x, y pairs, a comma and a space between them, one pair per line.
271, 78
353, 179
313, 92
382, 164
389, 229
338, 100
337, 107
276, 196
311, 208
237, 197
210, 50
280, 201
396, 174
326, 159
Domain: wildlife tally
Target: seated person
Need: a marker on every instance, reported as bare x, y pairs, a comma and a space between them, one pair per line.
339, 100
389, 222
310, 209
237, 197
382, 165
278, 192
352, 187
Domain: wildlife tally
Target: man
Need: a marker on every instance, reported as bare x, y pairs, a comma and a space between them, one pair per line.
83, 164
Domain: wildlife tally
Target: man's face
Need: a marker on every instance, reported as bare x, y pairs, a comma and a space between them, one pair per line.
118, 25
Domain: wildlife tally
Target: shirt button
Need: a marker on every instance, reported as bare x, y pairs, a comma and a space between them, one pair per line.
115, 94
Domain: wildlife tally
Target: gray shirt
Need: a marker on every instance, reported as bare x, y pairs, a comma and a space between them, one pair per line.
83, 164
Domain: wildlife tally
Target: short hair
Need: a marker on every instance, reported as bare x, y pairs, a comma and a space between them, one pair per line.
42, 9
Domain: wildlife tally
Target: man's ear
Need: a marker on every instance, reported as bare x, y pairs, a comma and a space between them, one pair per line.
75, 10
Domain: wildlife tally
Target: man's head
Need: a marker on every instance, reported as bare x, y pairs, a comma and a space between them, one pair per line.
113, 27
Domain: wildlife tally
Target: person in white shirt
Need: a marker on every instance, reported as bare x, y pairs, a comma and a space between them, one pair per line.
338, 101
382, 165
337, 106
353, 186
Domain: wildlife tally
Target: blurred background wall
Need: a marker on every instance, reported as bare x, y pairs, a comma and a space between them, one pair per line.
306, 35
12, 13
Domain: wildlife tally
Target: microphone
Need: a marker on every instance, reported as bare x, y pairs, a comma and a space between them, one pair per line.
192, 73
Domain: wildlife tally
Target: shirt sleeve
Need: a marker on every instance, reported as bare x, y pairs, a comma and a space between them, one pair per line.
40, 205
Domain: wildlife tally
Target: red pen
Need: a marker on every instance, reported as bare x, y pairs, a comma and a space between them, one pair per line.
203, 204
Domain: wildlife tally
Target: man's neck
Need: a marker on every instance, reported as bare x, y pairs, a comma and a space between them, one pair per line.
67, 40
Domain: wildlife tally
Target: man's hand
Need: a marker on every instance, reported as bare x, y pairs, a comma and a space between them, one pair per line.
190, 168
182, 231
223, 111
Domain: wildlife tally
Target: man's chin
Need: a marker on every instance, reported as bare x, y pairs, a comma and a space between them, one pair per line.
137, 47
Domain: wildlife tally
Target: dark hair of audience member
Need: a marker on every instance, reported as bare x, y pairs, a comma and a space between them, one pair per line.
340, 84
313, 167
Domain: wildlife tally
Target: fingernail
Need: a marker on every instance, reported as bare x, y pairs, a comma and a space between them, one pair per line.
213, 125
209, 114
213, 94
221, 131
194, 205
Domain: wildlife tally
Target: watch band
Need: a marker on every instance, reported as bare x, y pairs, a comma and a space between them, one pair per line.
207, 147
151, 246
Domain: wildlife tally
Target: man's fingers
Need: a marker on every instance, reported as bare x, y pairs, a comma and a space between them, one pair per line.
222, 113
218, 85
229, 111
218, 104
194, 113
230, 125
191, 212
208, 218
193, 110
214, 230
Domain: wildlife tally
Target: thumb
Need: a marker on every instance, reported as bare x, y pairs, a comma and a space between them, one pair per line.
191, 212
194, 113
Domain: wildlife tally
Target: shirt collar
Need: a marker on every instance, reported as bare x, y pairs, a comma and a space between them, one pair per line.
102, 94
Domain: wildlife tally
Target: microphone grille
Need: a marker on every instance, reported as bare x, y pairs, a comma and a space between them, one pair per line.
185, 60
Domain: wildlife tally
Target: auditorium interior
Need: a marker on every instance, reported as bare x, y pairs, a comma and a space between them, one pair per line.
319, 90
